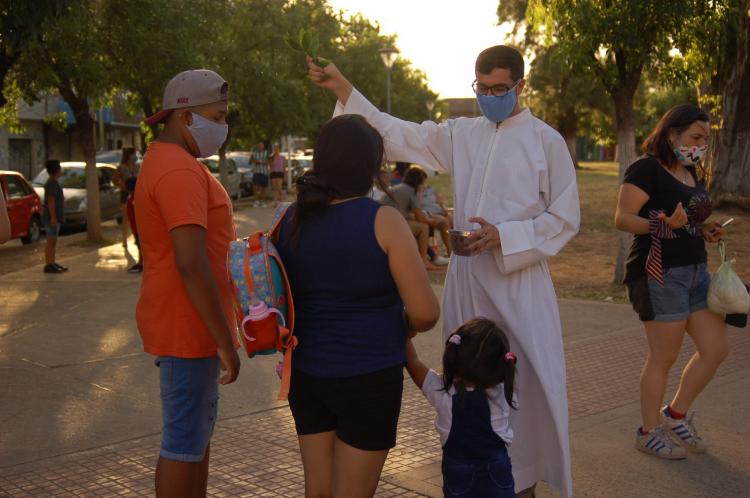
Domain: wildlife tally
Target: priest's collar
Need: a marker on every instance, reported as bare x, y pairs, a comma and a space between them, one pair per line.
523, 115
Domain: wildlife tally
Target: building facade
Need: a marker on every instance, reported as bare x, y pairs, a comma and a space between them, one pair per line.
40, 139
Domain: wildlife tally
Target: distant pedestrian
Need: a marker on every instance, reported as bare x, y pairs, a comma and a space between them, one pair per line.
128, 168
259, 159
185, 311
4, 220
473, 398
53, 214
663, 201
277, 174
399, 172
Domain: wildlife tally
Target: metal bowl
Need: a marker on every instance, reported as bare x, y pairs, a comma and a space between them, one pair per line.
460, 242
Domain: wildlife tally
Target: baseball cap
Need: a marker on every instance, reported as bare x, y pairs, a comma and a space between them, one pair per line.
188, 89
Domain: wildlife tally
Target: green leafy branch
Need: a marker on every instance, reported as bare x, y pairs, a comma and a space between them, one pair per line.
308, 43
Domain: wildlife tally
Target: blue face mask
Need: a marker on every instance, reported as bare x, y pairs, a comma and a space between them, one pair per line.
497, 108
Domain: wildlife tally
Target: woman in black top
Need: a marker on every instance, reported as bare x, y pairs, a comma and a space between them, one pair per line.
664, 203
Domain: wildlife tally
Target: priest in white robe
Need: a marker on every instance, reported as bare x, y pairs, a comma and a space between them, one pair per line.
514, 186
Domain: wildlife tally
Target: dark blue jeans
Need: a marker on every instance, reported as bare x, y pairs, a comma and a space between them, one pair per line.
478, 479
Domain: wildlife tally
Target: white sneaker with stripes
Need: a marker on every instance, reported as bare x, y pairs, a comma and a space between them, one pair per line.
657, 442
684, 431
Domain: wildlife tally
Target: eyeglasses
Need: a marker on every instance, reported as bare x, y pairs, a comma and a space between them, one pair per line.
494, 90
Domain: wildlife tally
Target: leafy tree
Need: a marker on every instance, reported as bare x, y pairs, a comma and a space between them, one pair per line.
70, 57
145, 52
572, 103
568, 101
21, 25
615, 42
717, 51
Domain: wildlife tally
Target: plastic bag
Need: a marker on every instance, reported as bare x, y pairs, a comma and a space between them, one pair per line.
727, 294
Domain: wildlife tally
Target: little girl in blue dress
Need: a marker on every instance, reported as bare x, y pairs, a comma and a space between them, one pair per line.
473, 398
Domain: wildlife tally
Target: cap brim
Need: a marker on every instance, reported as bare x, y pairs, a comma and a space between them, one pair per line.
159, 117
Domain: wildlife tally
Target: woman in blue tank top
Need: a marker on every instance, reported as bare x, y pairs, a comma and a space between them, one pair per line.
360, 290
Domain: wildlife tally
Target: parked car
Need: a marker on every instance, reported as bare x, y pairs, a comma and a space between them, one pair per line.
242, 160
300, 164
233, 176
114, 156
24, 207
73, 182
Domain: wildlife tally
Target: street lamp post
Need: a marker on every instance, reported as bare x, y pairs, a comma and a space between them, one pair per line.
388, 55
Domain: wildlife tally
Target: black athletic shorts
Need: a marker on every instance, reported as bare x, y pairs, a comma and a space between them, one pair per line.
260, 180
275, 175
363, 410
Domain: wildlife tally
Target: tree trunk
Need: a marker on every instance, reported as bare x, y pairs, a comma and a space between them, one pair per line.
85, 127
568, 128
731, 154
93, 210
626, 155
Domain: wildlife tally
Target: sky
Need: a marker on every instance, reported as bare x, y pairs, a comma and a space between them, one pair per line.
440, 37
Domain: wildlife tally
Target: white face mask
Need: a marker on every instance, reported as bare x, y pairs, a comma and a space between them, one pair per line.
208, 135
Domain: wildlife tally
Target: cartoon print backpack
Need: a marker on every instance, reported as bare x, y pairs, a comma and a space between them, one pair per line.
263, 297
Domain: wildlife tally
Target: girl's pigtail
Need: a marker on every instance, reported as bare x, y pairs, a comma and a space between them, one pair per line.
509, 367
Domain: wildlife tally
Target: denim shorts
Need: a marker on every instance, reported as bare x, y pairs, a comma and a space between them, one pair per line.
685, 291
469, 478
189, 402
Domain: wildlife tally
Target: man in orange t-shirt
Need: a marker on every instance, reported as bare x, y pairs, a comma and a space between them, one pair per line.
184, 312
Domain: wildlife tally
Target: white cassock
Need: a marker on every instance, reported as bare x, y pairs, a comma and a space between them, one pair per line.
519, 176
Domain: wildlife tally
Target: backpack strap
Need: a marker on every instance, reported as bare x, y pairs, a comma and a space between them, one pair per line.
278, 216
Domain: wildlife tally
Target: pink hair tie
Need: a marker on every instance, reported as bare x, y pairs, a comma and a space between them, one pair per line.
455, 339
510, 356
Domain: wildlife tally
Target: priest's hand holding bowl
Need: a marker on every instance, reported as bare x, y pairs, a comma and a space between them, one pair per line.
486, 238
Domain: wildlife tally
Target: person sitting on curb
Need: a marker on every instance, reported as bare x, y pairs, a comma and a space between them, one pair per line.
52, 215
405, 198
436, 215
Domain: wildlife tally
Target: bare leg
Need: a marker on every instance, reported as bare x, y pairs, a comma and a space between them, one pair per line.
49, 250
125, 225
664, 342
709, 333
181, 479
317, 460
356, 472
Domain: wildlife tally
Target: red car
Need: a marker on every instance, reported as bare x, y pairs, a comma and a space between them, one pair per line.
24, 207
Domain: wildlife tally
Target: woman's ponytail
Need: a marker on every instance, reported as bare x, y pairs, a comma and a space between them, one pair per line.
313, 194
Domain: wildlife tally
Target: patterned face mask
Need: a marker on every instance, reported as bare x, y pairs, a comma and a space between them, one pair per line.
690, 155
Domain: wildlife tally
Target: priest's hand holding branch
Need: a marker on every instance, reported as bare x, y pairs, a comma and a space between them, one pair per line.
487, 238
330, 78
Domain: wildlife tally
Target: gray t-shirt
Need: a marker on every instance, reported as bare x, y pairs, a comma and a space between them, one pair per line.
406, 199
53, 189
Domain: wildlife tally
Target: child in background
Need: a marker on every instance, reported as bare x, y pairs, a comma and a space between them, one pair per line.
130, 208
473, 398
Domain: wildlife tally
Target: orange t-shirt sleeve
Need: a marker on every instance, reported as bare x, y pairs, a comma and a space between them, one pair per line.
182, 198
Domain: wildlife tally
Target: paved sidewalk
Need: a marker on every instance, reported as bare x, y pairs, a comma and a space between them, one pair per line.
79, 410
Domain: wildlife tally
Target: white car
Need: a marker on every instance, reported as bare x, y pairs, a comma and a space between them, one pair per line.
73, 182
233, 175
